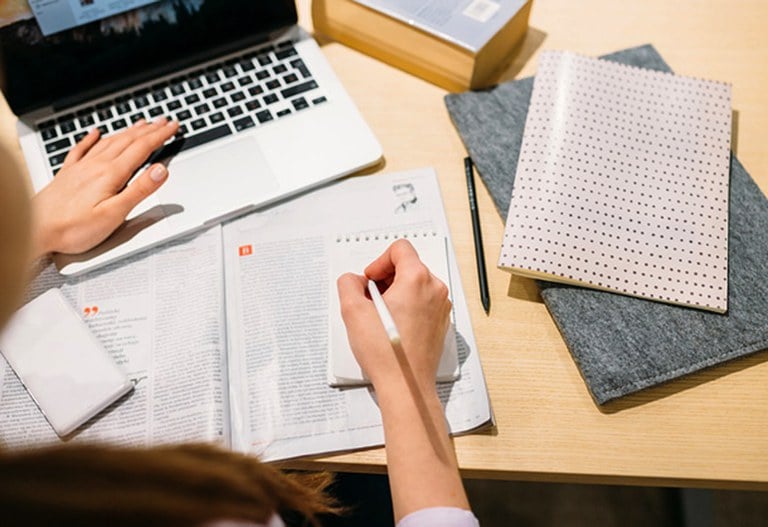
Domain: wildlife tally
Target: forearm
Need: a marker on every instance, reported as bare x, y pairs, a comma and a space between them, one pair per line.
422, 463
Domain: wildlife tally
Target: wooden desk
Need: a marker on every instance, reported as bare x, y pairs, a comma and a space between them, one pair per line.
709, 429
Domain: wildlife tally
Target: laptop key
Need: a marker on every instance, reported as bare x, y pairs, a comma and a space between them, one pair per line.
256, 90
227, 86
156, 111
57, 159
178, 89
105, 114
58, 145
264, 116
197, 124
270, 99
159, 96
264, 60
280, 68
237, 96
202, 109
122, 108
119, 124
48, 133
210, 93
290, 78
243, 124
141, 102
137, 117
252, 105
47, 124
319, 100
300, 103
86, 121
219, 103
273, 84
216, 117
192, 99
229, 72
183, 115
247, 65
285, 53
244, 81
67, 127
298, 89
235, 111
174, 105
283, 113
79, 137
103, 129
212, 77
195, 84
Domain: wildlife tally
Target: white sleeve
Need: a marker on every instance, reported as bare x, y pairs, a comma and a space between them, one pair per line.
440, 517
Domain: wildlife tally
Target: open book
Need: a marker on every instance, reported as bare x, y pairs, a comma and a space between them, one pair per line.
622, 182
225, 334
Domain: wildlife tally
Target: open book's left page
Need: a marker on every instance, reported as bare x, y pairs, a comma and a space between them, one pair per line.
161, 317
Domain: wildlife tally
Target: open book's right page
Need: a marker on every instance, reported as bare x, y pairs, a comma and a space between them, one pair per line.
622, 182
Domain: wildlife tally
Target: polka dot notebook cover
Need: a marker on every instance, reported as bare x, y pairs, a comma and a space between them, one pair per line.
622, 182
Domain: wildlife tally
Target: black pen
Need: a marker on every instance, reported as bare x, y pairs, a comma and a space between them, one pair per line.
485, 298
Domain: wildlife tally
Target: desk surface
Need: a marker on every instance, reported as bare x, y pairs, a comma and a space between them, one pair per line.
708, 429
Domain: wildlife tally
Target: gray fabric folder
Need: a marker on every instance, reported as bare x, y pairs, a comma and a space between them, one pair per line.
623, 344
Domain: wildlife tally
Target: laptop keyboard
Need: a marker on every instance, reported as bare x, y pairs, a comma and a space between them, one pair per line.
222, 99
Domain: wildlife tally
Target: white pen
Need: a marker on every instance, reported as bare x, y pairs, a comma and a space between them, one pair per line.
384, 315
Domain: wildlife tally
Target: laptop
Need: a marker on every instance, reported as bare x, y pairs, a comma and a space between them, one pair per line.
262, 114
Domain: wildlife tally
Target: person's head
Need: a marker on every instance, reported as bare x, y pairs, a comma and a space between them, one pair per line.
14, 232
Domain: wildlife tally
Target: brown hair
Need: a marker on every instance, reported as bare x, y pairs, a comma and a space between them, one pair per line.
188, 485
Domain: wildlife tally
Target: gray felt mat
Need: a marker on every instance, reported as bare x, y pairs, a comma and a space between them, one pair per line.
623, 344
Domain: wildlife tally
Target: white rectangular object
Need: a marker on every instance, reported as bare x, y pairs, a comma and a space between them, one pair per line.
62, 365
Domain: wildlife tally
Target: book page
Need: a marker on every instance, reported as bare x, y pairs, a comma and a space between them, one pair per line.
622, 182
160, 317
278, 287
466, 23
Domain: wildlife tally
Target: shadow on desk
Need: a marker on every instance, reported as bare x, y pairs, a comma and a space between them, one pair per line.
682, 384
523, 52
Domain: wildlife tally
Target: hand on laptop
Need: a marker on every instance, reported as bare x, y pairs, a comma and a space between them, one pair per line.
88, 199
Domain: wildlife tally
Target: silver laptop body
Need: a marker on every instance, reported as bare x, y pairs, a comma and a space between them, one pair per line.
260, 124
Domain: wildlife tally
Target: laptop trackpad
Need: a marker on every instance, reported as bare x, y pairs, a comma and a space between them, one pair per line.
218, 180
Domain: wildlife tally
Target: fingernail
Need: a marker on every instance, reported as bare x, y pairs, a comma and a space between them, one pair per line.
158, 173
160, 119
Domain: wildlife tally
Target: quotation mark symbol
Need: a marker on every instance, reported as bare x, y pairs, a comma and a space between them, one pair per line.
91, 311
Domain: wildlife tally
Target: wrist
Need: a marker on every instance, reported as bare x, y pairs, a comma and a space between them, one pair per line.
396, 395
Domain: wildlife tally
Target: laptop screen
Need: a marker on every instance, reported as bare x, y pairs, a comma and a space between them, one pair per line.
59, 51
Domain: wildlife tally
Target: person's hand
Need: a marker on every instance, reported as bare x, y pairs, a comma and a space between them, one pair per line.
420, 308
88, 199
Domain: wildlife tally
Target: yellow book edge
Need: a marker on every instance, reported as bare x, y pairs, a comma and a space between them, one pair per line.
549, 277
417, 51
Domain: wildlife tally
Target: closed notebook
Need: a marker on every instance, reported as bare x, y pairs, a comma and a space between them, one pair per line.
623, 344
622, 182
353, 253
